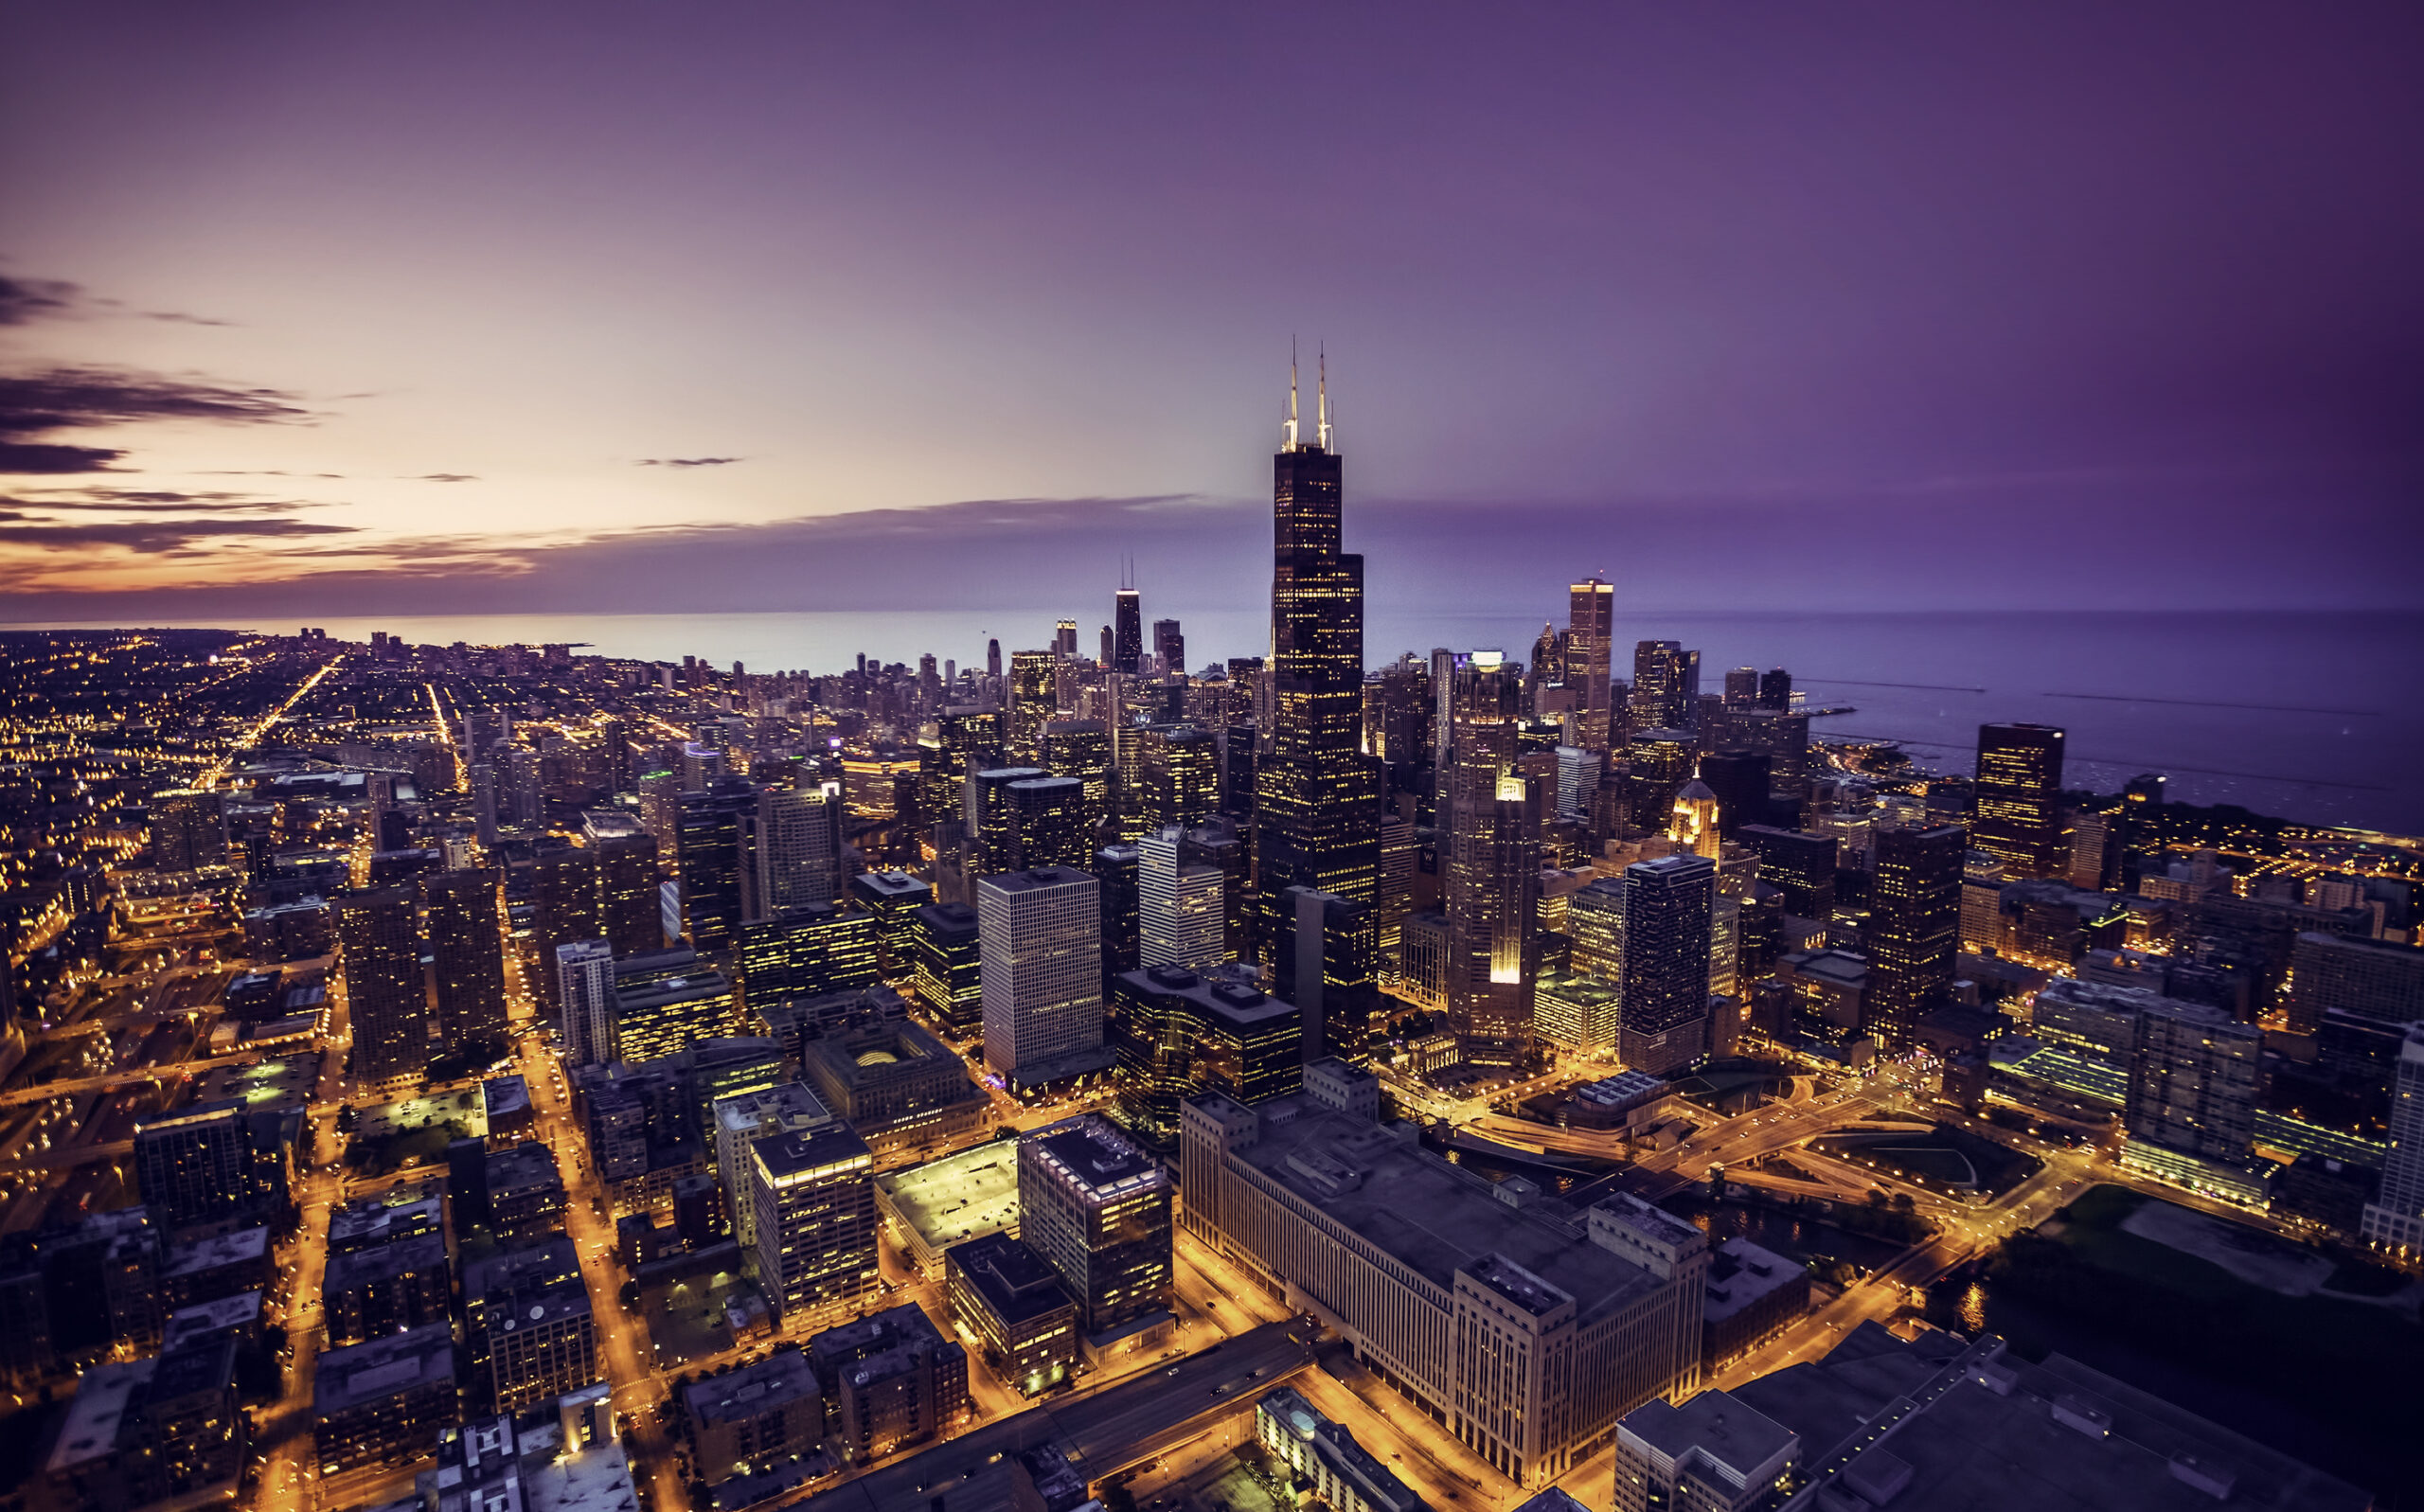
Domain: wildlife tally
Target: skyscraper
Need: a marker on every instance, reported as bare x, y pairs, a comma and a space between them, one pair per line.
2019, 799
1492, 862
1178, 775
187, 830
1051, 820
1039, 933
1327, 967
1098, 1209
1316, 800
2396, 1217
714, 827
1775, 689
1082, 749
1128, 632
1064, 639
1667, 907
1665, 685
1034, 684
1589, 640
1914, 926
386, 996
466, 953
1170, 643
584, 972
1741, 686
1180, 915
796, 848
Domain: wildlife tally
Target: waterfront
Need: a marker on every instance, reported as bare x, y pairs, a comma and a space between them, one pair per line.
2312, 717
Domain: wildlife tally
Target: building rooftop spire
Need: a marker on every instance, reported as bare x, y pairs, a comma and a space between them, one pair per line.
1287, 430
1321, 399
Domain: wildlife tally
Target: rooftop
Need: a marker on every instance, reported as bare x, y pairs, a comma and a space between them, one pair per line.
1739, 1274
1624, 1089
1714, 1427
1088, 1153
103, 1395
2000, 1434
1035, 879
749, 1391
1014, 1283
244, 1246
219, 1315
379, 1262
1433, 1217
418, 1358
802, 1155
959, 1196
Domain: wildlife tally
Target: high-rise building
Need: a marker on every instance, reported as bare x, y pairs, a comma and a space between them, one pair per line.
1064, 637
948, 971
808, 952
653, 1020
1170, 643
1041, 937
2369, 979
1050, 824
1490, 863
1665, 685
1658, 762
207, 1164
1315, 799
2193, 1074
386, 988
1178, 775
2395, 1219
1914, 936
1589, 644
1594, 920
188, 831
1739, 781
714, 852
1327, 964
993, 658
1693, 820
1799, 864
740, 1121
795, 847
1181, 904
1097, 1208
466, 953
812, 1192
1127, 635
992, 816
1082, 749
1741, 686
959, 741
894, 1379
1775, 689
1667, 908
1034, 691
2018, 799
584, 972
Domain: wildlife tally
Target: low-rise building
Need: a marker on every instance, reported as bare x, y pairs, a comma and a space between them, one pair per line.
368, 1293
890, 1379
384, 1402
753, 1419
951, 1201
896, 1085
1327, 1462
1752, 1293
1013, 1304
1710, 1454
526, 1193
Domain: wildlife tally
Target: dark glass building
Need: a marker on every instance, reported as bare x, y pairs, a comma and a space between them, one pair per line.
1914, 926
1316, 798
2018, 799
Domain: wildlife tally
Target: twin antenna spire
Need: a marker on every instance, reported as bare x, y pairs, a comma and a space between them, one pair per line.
1287, 430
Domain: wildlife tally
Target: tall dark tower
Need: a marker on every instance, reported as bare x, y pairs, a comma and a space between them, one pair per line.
1914, 927
1128, 634
2018, 799
1317, 803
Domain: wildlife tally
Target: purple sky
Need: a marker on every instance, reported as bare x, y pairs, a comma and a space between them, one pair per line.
419, 308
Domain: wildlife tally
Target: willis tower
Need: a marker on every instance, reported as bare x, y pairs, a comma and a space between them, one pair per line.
1317, 799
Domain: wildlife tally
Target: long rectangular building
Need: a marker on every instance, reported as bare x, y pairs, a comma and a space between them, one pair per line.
1525, 1329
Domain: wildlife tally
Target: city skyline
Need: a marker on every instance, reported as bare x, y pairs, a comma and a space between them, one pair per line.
549, 318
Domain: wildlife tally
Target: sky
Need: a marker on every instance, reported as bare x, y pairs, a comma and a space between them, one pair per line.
430, 308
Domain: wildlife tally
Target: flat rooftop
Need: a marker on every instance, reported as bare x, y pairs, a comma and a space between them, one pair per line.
219, 1315
1974, 1448
416, 1360
1740, 1274
960, 1197
1429, 1214
750, 1391
1094, 1157
244, 1246
382, 1262
1015, 1283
